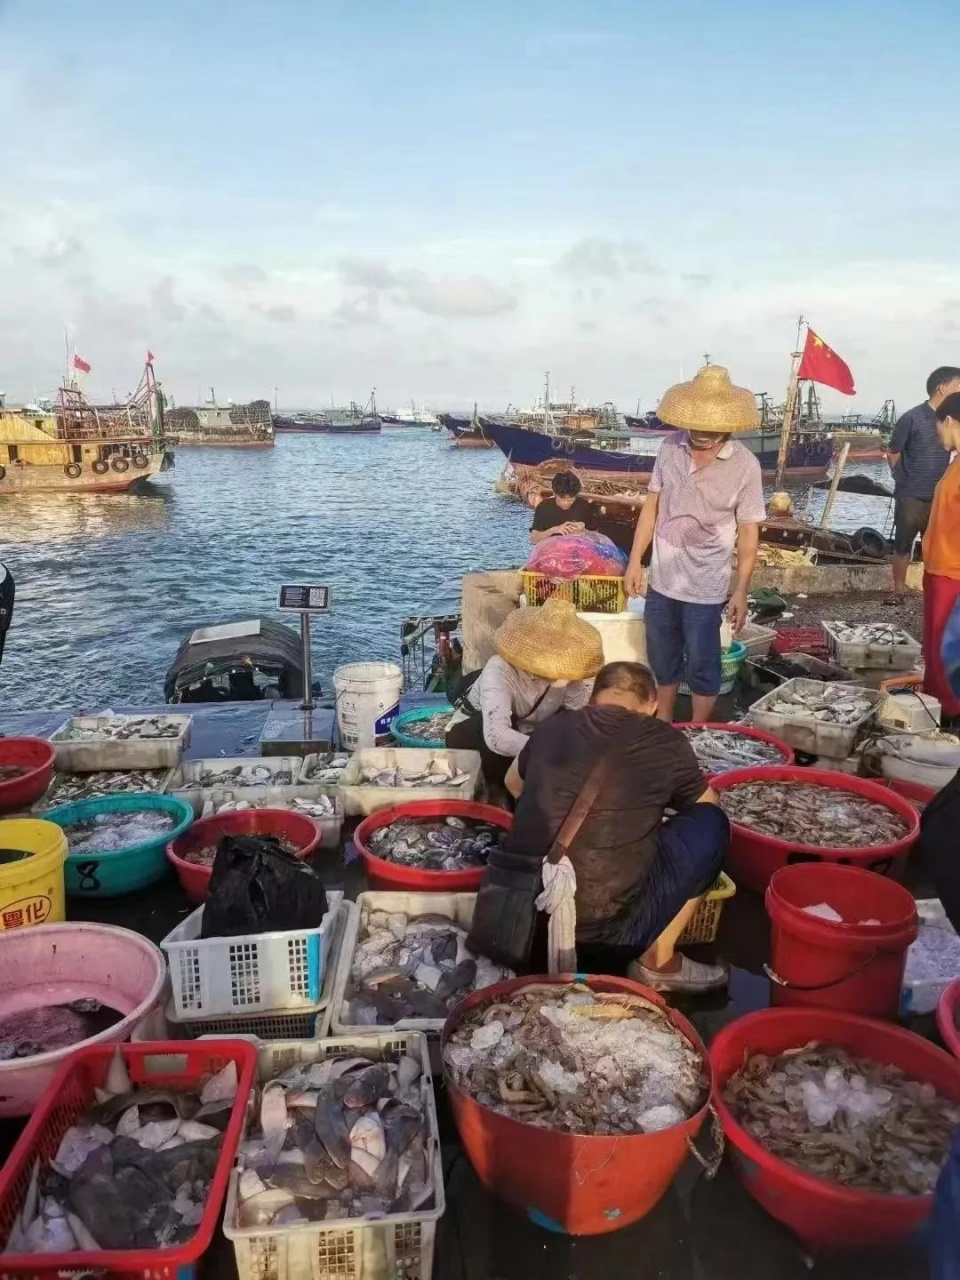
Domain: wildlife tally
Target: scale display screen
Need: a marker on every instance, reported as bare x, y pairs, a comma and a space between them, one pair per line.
304, 599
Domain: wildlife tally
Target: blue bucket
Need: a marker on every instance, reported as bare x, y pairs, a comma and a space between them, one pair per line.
108, 875
410, 717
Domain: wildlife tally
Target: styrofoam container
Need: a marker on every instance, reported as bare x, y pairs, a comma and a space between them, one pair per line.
458, 906
922, 991
912, 758
848, 653
360, 798
93, 754
276, 798
247, 973
816, 737
187, 776
624, 635
392, 1246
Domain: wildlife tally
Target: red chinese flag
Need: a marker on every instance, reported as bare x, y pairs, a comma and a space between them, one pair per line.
80, 364
821, 363
149, 357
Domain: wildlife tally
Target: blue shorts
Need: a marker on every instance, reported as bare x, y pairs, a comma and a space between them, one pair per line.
683, 642
692, 847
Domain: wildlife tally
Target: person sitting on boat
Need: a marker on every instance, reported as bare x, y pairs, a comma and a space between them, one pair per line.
544, 662
705, 501
918, 459
565, 512
639, 879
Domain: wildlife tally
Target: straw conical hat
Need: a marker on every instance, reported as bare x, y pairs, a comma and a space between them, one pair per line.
550, 641
709, 403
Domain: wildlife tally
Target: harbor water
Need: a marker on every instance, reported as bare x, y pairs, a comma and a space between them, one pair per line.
108, 586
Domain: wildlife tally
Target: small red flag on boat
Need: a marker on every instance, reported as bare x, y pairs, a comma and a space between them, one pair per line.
149, 357
821, 363
81, 364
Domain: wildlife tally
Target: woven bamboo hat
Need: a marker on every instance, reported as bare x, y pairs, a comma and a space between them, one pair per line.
709, 403
550, 641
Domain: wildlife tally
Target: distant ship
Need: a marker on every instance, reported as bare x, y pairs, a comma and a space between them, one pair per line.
75, 446
412, 417
232, 425
352, 420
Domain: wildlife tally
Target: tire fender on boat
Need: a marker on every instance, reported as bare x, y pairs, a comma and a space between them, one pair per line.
100, 467
120, 464
140, 460
3, 471
73, 470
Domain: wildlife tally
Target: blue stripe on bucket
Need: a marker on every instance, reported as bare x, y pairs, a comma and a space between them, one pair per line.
540, 1219
314, 967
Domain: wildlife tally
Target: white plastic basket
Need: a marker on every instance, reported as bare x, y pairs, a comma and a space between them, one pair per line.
863, 656
90, 755
458, 906
276, 798
363, 798
815, 737
394, 1246
249, 973
756, 640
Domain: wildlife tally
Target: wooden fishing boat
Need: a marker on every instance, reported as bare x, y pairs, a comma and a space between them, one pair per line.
81, 447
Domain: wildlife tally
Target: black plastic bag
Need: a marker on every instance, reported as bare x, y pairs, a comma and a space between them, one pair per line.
504, 924
258, 888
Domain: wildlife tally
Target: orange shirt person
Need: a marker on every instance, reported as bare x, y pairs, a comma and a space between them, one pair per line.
941, 560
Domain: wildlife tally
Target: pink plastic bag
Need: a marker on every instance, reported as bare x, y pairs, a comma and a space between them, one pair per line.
572, 555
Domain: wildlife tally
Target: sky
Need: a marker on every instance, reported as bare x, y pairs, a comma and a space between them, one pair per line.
444, 200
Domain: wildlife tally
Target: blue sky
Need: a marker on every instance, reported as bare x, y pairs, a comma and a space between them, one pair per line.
444, 200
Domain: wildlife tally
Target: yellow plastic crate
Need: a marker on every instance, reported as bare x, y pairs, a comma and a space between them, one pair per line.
706, 919
592, 593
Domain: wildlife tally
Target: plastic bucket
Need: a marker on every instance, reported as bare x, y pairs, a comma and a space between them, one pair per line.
58, 963
746, 731
382, 874
297, 828
368, 702
108, 875
572, 1183
824, 1214
853, 966
31, 890
405, 718
948, 1017
37, 757
754, 857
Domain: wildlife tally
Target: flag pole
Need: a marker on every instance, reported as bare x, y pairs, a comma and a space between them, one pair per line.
789, 410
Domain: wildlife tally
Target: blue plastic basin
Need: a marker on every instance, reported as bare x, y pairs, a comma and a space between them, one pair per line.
108, 875
419, 713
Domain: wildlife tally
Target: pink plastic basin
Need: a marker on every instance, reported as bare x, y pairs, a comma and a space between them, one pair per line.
57, 963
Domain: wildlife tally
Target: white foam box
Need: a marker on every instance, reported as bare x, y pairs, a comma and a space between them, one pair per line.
90, 755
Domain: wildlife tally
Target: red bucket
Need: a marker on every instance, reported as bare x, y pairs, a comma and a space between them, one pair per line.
948, 1017
825, 1215
382, 874
299, 829
853, 966
571, 1183
37, 757
747, 731
754, 857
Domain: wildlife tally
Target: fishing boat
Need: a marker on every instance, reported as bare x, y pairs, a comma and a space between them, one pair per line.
467, 432
352, 420
237, 662
76, 446
412, 417
237, 426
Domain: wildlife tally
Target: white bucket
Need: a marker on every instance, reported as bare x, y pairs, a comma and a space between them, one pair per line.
368, 702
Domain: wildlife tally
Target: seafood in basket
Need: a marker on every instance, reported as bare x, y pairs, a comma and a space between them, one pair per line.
721, 750
121, 728
436, 773
228, 802
847, 1119
325, 767
830, 704
584, 1062
254, 774
870, 633
133, 1172
428, 729
110, 831
807, 814
68, 787
442, 844
411, 967
337, 1138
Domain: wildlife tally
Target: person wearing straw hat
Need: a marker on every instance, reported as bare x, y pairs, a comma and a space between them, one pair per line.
544, 662
705, 502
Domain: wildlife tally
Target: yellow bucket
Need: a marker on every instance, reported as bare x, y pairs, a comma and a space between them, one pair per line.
31, 889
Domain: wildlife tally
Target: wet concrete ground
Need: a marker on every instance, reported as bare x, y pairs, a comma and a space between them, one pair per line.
700, 1230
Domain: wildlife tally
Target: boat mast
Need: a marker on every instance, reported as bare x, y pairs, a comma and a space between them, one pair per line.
546, 401
789, 410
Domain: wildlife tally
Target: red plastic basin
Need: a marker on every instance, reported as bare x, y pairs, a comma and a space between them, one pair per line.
388, 875
824, 1215
38, 757
786, 751
948, 1017
300, 830
582, 1184
754, 857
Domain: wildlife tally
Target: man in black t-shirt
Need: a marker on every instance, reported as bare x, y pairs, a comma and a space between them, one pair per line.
639, 879
565, 512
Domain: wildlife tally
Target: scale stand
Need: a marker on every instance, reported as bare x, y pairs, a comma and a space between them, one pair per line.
305, 729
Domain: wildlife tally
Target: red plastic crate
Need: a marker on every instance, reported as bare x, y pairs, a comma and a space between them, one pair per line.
812, 640
172, 1064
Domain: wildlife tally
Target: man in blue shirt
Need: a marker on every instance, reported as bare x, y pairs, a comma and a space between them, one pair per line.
918, 460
